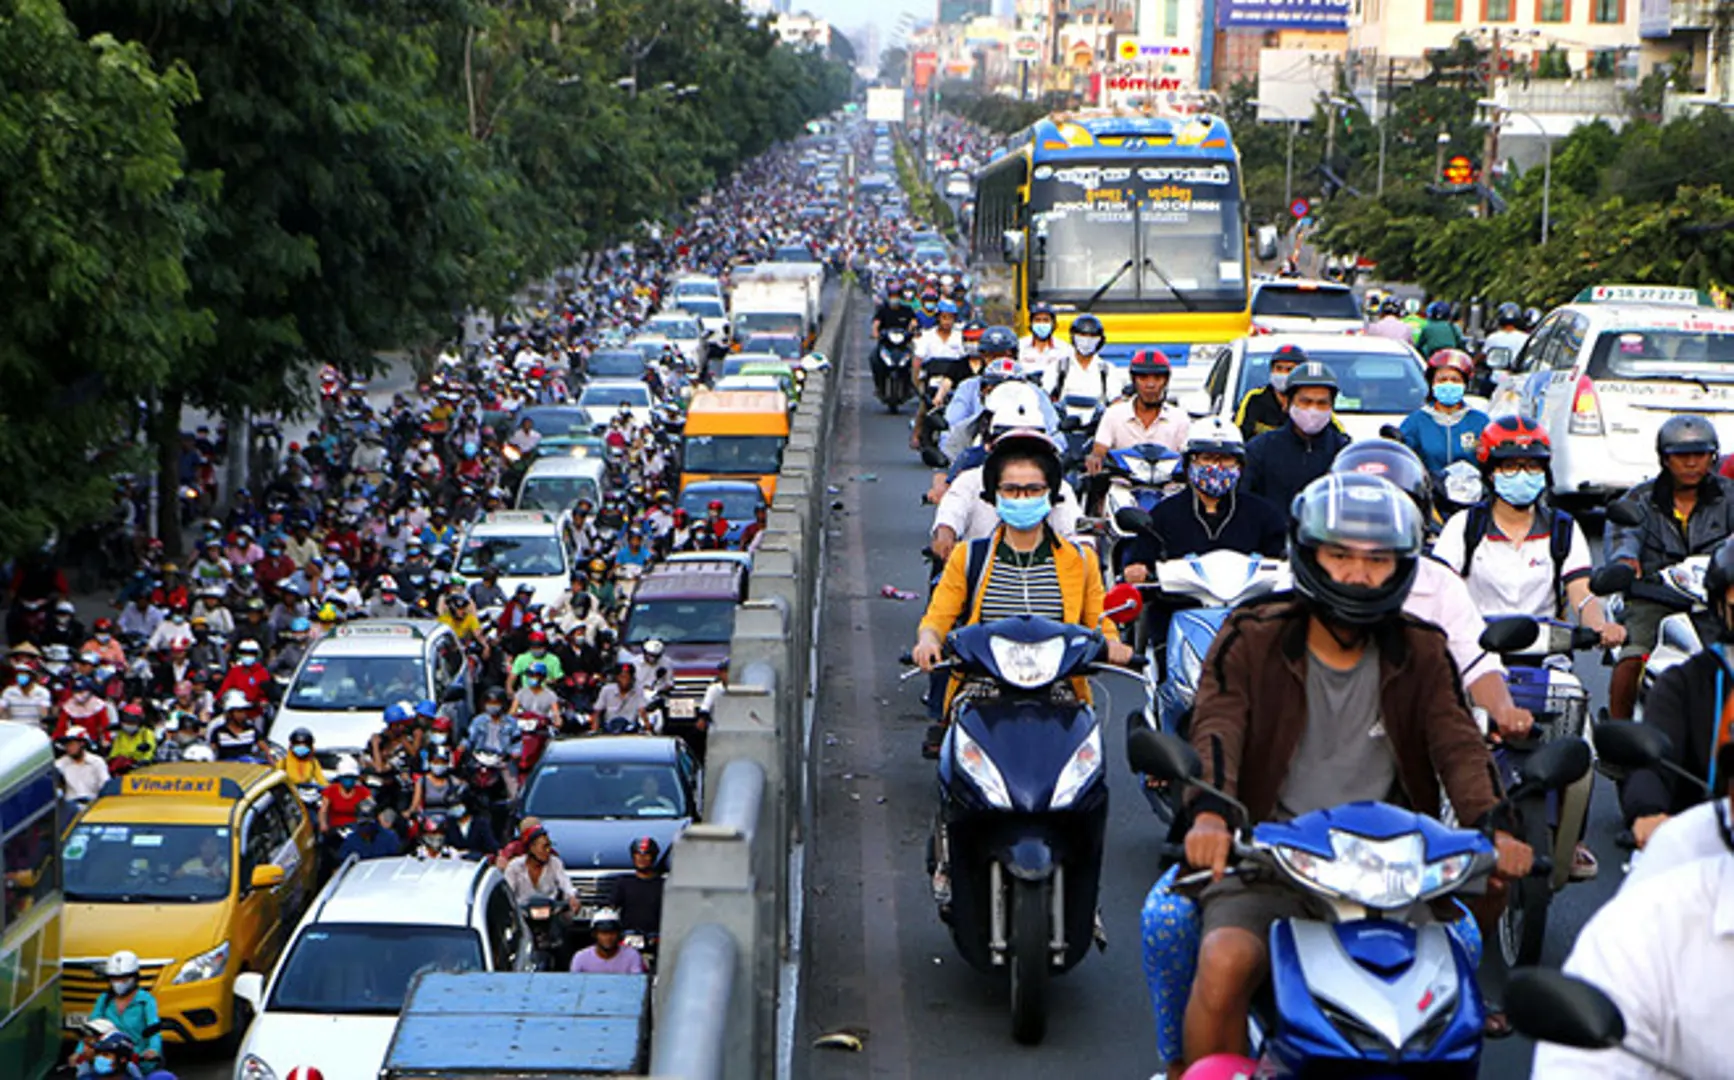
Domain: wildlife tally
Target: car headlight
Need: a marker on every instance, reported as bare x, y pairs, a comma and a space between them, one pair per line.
1380, 874
1027, 664
254, 1068
1085, 763
980, 769
206, 965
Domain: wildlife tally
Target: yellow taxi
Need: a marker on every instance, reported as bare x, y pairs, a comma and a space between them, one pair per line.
202, 869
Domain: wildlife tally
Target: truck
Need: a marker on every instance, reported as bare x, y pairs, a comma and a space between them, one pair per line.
777, 298
523, 1026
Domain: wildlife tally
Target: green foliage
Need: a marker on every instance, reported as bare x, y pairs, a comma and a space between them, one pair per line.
924, 202
995, 112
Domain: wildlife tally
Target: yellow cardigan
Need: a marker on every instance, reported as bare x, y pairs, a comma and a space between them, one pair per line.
1080, 590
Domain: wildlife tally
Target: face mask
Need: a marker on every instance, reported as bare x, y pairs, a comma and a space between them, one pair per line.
1520, 490
102, 637
1279, 381
129, 728
1448, 393
122, 987
1022, 513
438, 738
438, 770
493, 710
23, 679
534, 680
1309, 421
1042, 331
347, 782
1086, 344
301, 751
103, 1066
1214, 480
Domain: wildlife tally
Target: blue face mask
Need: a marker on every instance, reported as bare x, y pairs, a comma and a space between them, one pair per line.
300, 751
1449, 394
1022, 513
1214, 481
103, 1066
1520, 490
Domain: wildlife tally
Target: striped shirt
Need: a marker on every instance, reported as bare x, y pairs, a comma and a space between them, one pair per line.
1023, 584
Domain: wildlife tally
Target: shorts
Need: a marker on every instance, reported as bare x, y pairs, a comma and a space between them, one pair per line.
1233, 902
1643, 622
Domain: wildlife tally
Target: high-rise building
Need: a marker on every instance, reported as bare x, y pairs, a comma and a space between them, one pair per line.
957, 12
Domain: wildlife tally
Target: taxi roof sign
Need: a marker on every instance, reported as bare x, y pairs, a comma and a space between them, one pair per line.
221, 788
375, 629
1644, 294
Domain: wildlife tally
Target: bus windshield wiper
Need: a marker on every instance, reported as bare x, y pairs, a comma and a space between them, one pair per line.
1185, 301
1109, 284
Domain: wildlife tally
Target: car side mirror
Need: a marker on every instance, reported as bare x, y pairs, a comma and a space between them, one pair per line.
1265, 243
1012, 246
1625, 514
1612, 579
267, 876
1510, 635
1499, 359
1551, 1006
250, 987
1163, 756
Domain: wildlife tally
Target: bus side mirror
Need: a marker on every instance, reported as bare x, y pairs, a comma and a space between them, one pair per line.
1012, 246
1265, 242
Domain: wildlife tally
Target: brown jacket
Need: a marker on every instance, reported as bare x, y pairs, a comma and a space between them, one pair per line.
1251, 712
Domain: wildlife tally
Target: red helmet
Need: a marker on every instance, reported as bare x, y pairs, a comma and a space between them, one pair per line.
442, 723
537, 637
716, 504
1512, 437
1150, 362
102, 624
1455, 359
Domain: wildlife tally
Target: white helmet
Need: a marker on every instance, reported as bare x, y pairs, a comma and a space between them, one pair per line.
198, 752
1015, 405
121, 965
653, 649
348, 766
1214, 435
235, 699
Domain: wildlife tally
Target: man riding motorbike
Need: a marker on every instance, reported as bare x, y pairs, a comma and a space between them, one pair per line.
1212, 514
1147, 417
1085, 373
1283, 461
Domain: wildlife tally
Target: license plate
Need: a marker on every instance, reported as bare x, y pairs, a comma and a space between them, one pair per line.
74, 1020
683, 708
586, 913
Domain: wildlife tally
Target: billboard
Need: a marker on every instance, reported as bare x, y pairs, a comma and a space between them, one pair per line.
921, 68
885, 104
1282, 15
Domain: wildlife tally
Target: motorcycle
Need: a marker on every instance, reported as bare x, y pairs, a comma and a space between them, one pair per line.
892, 382
1338, 976
536, 732
1138, 476
1016, 851
487, 781
546, 930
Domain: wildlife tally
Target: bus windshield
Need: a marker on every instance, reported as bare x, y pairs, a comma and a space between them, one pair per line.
1160, 236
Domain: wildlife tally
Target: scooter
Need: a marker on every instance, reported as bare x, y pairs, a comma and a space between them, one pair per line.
1016, 850
536, 732
1679, 586
1138, 476
892, 382
1370, 984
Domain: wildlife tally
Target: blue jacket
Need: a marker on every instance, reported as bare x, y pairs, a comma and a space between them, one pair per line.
383, 845
139, 1017
1280, 463
1439, 439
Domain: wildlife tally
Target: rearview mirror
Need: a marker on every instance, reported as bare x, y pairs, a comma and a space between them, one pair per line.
1511, 635
1133, 519
1499, 359
1123, 603
268, 876
1551, 1006
1556, 765
250, 987
933, 459
1612, 579
1628, 745
1012, 246
1071, 422
1624, 513
1163, 756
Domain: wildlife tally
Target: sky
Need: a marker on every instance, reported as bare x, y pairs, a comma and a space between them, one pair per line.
848, 14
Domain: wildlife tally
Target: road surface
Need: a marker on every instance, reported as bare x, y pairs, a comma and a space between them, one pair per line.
878, 961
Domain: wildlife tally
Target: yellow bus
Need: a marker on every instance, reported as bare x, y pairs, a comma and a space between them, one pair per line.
1136, 219
30, 913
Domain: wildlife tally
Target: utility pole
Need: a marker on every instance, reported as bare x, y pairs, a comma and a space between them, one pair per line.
1385, 119
1490, 146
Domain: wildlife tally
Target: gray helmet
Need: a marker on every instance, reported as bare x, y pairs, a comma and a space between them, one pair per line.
1312, 373
1509, 314
998, 341
1356, 509
1686, 434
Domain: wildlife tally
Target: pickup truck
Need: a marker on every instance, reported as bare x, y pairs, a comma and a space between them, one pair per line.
492, 1025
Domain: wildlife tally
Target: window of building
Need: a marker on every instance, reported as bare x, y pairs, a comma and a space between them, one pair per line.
1602, 63
1171, 19
1496, 11
1608, 11
1443, 11
1552, 11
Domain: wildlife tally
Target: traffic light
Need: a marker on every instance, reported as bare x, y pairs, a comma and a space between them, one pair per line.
1459, 170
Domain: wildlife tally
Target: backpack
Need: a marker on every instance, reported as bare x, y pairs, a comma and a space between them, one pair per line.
1558, 545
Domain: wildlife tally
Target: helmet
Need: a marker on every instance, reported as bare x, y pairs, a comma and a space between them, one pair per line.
1022, 443
327, 614
1717, 578
395, 713
999, 340
387, 584
1360, 510
606, 919
537, 637
1531, 318
947, 307
116, 1043
1392, 307
646, 845
299, 625
1686, 434
1042, 309
1001, 369
1150, 362
494, 693
653, 649
121, 965
538, 669
1087, 324
1312, 373
1412, 306
1221, 1067
300, 737
1392, 461
1015, 405
1214, 435
1288, 354
1511, 437
972, 332
1508, 314
1439, 310
247, 645
1455, 359
198, 752
235, 700
347, 765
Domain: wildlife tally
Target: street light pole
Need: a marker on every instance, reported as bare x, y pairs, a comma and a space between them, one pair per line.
1499, 111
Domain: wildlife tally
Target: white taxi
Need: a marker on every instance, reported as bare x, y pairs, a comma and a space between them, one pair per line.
1603, 372
537, 548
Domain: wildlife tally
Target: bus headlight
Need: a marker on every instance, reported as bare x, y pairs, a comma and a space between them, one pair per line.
206, 965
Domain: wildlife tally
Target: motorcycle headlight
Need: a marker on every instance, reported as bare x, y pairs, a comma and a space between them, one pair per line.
1027, 664
254, 1068
1380, 874
206, 965
980, 769
1085, 763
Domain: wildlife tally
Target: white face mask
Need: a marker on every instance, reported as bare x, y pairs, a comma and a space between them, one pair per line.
1086, 344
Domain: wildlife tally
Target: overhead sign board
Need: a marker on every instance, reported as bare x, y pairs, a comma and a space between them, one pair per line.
1282, 14
885, 104
1026, 47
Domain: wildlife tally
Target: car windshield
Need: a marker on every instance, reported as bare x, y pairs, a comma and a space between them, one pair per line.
754, 455
357, 682
767, 322
635, 395
350, 969
605, 790
1369, 382
513, 556
159, 864
1657, 353
703, 307
1298, 302
557, 492
676, 328
616, 364
737, 505
563, 420
782, 346
682, 622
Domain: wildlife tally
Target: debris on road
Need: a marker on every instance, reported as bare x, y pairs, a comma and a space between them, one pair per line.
839, 1040
892, 592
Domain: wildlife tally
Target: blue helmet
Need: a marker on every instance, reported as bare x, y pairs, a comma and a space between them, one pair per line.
1439, 310
426, 709
998, 341
300, 625
947, 306
395, 713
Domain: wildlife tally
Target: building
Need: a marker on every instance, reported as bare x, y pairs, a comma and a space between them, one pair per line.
1596, 38
957, 12
802, 31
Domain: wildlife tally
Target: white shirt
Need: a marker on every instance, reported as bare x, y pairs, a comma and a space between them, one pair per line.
930, 346
29, 705
972, 518
1039, 363
1100, 380
1686, 837
1663, 950
84, 779
1509, 578
1441, 598
1121, 428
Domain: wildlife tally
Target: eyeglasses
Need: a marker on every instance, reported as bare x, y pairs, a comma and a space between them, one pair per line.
1513, 468
1023, 491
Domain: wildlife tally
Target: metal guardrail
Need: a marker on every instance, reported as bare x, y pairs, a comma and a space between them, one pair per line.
717, 1007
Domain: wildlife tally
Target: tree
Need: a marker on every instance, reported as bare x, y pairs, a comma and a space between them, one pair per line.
893, 63
93, 226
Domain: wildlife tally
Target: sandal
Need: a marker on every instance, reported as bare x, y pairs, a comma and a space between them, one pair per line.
1584, 866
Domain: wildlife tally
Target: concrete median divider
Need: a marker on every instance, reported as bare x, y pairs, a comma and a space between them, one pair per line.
731, 916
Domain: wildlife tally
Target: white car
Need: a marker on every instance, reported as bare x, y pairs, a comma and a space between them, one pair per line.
1603, 372
602, 399
685, 331
537, 548
335, 996
1379, 381
1294, 305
